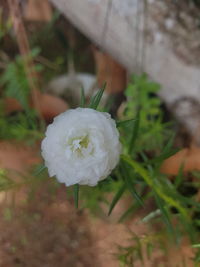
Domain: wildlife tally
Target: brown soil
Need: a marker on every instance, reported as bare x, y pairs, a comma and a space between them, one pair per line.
45, 234
47, 230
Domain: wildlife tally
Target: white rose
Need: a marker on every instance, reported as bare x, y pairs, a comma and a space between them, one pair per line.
81, 146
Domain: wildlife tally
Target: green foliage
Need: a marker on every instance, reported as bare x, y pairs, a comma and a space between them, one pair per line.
7, 183
134, 133
5, 26
15, 81
95, 100
117, 197
137, 172
142, 101
20, 127
143, 247
76, 194
83, 100
147, 142
121, 123
91, 199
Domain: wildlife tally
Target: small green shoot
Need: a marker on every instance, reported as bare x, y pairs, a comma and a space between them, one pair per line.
76, 195
116, 198
95, 100
83, 100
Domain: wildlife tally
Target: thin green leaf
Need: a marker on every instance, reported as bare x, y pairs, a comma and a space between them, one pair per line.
76, 194
130, 185
132, 209
167, 151
116, 198
39, 170
196, 246
164, 156
135, 132
82, 104
143, 173
169, 143
129, 211
149, 250
97, 98
164, 213
146, 161
122, 123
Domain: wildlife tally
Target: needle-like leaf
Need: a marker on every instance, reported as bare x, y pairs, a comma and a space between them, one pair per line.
82, 104
39, 170
116, 198
129, 183
76, 194
159, 190
135, 131
121, 123
97, 98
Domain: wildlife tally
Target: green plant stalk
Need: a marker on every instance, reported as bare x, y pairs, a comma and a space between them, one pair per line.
149, 181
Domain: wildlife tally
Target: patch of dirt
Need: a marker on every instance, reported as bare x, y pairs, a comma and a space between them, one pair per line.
46, 230
46, 233
18, 157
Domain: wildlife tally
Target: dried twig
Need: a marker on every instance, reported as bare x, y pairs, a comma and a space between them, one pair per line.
24, 48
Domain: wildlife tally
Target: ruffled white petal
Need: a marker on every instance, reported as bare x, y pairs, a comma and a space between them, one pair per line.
81, 146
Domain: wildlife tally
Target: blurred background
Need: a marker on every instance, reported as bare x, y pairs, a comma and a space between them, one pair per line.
148, 53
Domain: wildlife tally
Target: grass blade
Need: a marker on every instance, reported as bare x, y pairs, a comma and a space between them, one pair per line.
159, 191
133, 208
167, 152
163, 156
169, 144
116, 198
196, 246
76, 194
164, 213
128, 212
39, 170
97, 98
136, 126
121, 123
82, 103
130, 185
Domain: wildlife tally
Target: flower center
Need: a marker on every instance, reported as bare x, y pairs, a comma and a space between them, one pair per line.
80, 145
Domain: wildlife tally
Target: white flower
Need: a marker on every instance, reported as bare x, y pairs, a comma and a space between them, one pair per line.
81, 146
